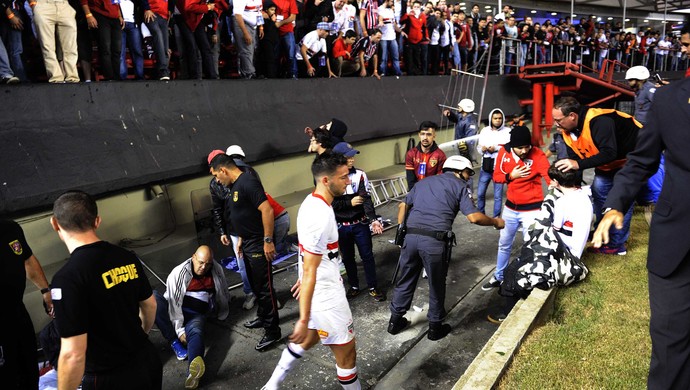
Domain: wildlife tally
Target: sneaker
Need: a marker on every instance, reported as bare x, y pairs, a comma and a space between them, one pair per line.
491, 284
352, 292
268, 340
196, 371
249, 301
378, 296
179, 349
496, 318
9, 80
608, 250
165, 78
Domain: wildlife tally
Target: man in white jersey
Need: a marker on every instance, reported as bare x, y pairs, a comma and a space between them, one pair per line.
324, 313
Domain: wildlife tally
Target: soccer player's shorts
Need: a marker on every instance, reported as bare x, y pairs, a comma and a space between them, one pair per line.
333, 325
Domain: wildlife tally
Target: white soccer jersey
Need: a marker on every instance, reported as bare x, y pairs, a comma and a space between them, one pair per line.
573, 218
317, 232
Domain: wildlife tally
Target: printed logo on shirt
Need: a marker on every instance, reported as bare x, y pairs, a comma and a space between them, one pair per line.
16, 247
433, 162
119, 275
351, 328
235, 196
56, 294
322, 333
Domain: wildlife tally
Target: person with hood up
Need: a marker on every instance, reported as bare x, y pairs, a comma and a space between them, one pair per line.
491, 138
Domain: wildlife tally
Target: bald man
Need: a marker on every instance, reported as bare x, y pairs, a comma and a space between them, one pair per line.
196, 289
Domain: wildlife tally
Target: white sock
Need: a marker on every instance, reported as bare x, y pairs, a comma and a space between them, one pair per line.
348, 378
287, 360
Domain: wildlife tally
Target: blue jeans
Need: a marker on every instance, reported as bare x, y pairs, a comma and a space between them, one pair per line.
360, 235
281, 227
514, 220
392, 47
523, 53
600, 190
5, 70
193, 327
287, 43
159, 33
246, 286
509, 62
131, 37
456, 56
484, 179
13, 44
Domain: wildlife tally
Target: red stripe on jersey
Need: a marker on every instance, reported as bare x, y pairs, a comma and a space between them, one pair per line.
314, 194
347, 378
568, 224
332, 246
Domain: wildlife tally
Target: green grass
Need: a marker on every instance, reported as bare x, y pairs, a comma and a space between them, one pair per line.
598, 337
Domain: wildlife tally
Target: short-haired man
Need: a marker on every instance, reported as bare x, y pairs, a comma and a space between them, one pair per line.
17, 338
312, 55
426, 159
250, 205
104, 307
366, 49
195, 290
323, 309
433, 205
523, 167
598, 138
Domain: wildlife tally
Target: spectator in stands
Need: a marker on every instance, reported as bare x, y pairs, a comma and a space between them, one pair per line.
426, 159
195, 38
365, 49
156, 17
414, 31
539, 38
313, 53
132, 39
11, 27
266, 60
507, 11
368, 16
286, 13
663, 47
510, 34
105, 17
464, 41
344, 16
317, 11
434, 26
49, 18
526, 37
522, 167
343, 64
196, 290
446, 43
6, 74
389, 45
248, 20
482, 44
356, 217
17, 339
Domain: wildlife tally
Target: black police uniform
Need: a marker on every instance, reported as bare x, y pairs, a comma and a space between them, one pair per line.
435, 202
18, 369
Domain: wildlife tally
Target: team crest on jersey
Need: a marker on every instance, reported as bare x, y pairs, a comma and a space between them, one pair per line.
322, 333
433, 162
16, 247
235, 196
351, 328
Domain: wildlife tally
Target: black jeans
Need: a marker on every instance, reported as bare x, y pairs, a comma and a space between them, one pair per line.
194, 42
18, 342
109, 46
412, 58
261, 279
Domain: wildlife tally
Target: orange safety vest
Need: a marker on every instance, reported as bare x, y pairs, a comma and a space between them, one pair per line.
584, 145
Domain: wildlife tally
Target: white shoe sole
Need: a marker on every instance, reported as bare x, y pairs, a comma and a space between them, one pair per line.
197, 368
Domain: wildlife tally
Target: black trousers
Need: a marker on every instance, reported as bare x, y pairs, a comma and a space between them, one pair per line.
413, 59
261, 281
19, 368
144, 371
669, 327
109, 46
196, 42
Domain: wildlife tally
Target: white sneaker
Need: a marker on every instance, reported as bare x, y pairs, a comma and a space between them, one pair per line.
197, 368
249, 302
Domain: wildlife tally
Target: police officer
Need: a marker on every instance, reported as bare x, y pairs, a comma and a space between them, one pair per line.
433, 204
638, 80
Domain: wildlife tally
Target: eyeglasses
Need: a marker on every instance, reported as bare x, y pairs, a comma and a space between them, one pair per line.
559, 120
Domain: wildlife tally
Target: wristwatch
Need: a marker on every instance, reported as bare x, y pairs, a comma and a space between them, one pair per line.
268, 240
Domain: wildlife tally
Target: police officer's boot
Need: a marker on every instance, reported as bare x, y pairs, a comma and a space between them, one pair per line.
397, 324
438, 330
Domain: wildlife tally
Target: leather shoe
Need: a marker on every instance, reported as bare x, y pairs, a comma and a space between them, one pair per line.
437, 331
268, 340
397, 324
256, 323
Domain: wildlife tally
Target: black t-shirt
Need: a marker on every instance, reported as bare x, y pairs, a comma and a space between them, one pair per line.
247, 195
98, 292
15, 251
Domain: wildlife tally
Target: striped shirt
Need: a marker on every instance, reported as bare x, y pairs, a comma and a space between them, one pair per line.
371, 17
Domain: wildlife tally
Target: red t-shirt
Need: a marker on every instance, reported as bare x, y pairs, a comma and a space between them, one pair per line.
285, 8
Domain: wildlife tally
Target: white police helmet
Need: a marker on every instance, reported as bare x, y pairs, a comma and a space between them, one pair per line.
467, 105
637, 73
458, 163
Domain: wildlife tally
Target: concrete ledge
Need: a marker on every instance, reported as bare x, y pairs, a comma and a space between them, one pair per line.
487, 368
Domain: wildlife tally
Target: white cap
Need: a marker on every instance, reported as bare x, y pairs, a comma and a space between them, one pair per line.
458, 163
638, 72
467, 105
235, 150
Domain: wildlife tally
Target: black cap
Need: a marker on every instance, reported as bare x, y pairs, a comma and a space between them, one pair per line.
519, 136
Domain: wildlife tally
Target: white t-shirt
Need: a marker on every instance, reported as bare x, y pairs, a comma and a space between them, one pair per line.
345, 18
313, 43
249, 9
572, 218
388, 28
317, 233
603, 52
